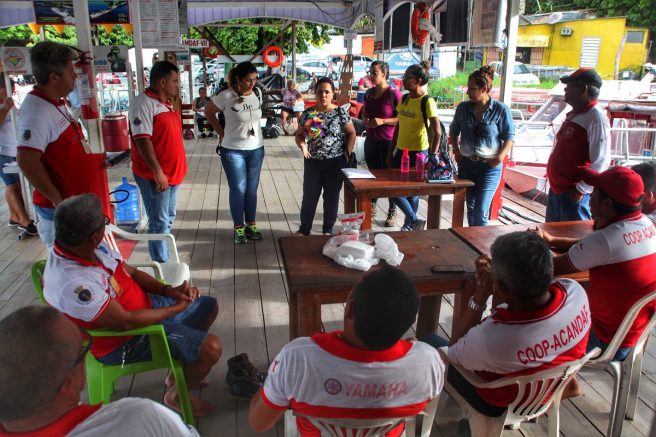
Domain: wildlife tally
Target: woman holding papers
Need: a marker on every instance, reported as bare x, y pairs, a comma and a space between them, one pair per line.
482, 134
326, 138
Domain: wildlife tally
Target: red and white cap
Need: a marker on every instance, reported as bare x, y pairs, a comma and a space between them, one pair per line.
622, 184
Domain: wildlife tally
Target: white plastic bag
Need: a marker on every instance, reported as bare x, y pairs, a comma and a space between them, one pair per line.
387, 249
359, 147
349, 253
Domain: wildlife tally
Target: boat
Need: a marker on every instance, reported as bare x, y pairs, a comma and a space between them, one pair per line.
631, 107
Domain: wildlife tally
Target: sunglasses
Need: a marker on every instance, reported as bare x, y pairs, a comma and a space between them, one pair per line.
87, 341
251, 132
477, 130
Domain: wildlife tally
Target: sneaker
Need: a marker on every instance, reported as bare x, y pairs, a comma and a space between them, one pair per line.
252, 232
390, 221
406, 228
240, 235
210, 135
202, 135
241, 361
12, 223
241, 385
29, 229
418, 225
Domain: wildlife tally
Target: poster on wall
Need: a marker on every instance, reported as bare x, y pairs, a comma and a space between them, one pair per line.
100, 11
15, 60
160, 26
484, 20
110, 59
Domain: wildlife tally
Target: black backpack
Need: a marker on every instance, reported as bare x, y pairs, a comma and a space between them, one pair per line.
444, 143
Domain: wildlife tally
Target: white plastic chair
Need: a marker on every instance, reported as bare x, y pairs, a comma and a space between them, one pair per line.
365, 427
172, 272
626, 374
537, 394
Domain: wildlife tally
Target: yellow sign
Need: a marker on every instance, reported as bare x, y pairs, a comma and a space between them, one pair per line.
533, 41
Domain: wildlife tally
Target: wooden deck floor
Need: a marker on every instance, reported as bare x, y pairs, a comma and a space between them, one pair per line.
249, 282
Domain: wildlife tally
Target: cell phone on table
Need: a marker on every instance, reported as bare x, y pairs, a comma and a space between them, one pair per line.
448, 268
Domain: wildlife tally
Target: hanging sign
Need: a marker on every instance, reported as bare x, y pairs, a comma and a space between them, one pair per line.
15, 60
211, 52
100, 11
159, 23
110, 59
195, 43
182, 56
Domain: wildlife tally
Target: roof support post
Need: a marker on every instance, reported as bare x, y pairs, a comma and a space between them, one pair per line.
138, 45
512, 25
293, 52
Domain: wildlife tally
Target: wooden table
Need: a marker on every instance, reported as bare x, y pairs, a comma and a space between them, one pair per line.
315, 279
480, 238
392, 183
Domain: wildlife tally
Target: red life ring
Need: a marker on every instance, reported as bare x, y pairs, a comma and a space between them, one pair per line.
420, 13
270, 63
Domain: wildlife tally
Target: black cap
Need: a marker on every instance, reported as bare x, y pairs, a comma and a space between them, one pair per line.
584, 75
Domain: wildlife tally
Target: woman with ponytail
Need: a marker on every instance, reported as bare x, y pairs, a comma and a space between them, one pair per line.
482, 133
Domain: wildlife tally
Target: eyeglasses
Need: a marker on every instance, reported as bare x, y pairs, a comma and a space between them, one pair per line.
87, 341
106, 221
251, 132
240, 99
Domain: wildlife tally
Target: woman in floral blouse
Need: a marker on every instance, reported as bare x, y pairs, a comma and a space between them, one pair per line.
326, 137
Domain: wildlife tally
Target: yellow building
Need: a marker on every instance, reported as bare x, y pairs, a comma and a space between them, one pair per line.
573, 40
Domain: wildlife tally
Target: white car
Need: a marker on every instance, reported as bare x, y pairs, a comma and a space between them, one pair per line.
523, 75
320, 68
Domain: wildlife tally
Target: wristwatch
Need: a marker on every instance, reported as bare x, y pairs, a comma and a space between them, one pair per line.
476, 307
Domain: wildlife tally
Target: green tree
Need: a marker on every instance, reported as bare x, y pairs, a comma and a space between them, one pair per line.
637, 12
17, 36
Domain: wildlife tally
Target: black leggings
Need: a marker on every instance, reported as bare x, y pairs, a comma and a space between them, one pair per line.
318, 175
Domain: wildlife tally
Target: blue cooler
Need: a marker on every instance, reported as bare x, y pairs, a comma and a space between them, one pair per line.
360, 97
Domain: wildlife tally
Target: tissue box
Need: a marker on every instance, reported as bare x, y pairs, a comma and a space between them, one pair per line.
356, 249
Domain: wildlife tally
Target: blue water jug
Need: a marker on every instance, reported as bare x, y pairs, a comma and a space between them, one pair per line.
126, 197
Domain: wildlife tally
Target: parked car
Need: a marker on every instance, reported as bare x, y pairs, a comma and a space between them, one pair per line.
320, 68
522, 74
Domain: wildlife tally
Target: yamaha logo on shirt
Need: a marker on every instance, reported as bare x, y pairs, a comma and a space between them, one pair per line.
83, 295
27, 134
136, 121
332, 386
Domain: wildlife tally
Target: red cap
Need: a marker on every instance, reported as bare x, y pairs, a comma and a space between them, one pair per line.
622, 184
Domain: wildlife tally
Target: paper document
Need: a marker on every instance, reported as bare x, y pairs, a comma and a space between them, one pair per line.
358, 173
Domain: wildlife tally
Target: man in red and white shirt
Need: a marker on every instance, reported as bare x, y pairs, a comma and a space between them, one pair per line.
583, 141
365, 371
41, 378
647, 171
537, 324
159, 162
52, 151
95, 288
620, 255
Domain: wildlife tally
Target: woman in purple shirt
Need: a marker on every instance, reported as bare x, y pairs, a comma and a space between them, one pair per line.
379, 115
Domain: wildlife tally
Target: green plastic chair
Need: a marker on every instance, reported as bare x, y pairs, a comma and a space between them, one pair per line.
101, 377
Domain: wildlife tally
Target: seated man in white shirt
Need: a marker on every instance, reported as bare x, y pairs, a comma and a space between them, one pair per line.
365, 371
42, 375
95, 288
537, 323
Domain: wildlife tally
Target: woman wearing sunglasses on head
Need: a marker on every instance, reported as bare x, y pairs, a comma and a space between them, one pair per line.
418, 131
242, 145
326, 137
482, 134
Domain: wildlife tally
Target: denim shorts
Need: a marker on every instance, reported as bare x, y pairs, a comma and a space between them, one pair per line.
8, 178
184, 333
594, 341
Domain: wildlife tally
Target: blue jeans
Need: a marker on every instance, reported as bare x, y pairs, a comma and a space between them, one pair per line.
479, 197
8, 178
242, 168
321, 175
160, 209
408, 204
46, 226
594, 341
561, 209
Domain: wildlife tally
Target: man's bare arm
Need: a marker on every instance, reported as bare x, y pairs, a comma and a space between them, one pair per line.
29, 161
147, 152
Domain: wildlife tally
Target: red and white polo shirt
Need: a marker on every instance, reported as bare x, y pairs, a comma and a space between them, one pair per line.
324, 376
621, 258
63, 426
82, 290
46, 125
525, 342
583, 140
153, 118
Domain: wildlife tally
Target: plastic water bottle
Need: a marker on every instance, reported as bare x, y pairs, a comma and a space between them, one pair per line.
405, 161
420, 164
127, 206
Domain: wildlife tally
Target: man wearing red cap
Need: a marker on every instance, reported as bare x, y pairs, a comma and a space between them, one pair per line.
647, 171
620, 255
583, 141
